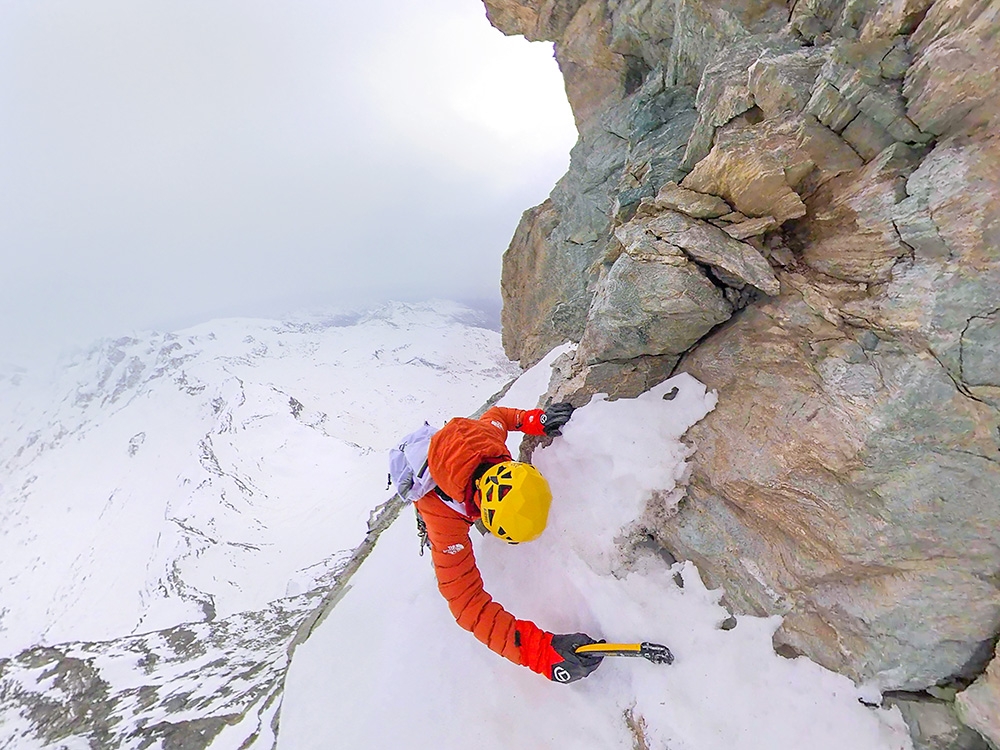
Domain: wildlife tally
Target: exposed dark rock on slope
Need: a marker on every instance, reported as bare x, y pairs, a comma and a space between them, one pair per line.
799, 205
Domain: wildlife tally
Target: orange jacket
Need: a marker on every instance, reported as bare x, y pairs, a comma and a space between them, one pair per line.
456, 451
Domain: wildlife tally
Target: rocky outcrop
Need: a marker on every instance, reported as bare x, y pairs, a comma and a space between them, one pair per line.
188, 687
979, 705
643, 303
185, 687
802, 207
634, 149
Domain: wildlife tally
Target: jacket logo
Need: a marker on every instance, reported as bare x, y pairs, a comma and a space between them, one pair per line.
559, 674
454, 549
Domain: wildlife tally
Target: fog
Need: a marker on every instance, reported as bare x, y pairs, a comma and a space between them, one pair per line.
163, 163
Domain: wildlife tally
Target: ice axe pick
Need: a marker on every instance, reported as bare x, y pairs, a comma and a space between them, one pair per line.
655, 652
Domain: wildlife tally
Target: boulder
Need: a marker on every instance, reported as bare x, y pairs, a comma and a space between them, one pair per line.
650, 306
760, 167
675, 198
755, 169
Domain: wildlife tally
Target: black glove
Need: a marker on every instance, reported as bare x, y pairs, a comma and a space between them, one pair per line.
574, 666
555, 417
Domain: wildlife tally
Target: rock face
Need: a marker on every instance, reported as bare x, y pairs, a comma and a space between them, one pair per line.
805, 208
826, 492
634, 149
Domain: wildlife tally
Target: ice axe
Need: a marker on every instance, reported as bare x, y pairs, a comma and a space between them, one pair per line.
653, 651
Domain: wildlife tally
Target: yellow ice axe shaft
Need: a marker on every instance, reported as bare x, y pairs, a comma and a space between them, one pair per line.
607, 649
655, 652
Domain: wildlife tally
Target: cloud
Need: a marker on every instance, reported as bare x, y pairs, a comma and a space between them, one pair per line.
164, 162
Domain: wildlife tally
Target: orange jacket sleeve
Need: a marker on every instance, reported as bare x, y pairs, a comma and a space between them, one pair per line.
526, 421
461, 584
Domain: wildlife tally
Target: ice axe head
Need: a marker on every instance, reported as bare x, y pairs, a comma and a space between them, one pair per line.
654, 652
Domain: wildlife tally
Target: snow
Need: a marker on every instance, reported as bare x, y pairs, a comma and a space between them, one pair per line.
390, 668
167, 478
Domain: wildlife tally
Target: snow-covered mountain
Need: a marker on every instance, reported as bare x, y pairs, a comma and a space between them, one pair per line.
188, 559
188, 476
204, 487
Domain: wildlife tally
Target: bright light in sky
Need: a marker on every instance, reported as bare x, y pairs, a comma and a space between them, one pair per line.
163, 163
468, 89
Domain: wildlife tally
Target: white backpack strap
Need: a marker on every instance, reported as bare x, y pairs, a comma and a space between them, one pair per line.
408, 468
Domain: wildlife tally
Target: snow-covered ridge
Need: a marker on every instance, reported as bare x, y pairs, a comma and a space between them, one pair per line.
179, 477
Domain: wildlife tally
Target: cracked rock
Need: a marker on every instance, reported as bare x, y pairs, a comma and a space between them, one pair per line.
649, 308
712, 246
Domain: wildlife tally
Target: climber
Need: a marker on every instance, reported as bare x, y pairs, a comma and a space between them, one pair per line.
478, 481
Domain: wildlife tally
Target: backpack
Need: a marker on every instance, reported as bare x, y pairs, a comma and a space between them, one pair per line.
408, 470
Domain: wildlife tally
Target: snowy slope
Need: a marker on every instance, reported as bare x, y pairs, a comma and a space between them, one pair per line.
390, 668
181, 477
178, 513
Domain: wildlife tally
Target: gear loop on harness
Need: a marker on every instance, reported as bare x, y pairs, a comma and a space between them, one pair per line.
425, 542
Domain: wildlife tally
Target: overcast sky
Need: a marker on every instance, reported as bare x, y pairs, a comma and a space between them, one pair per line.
163, 162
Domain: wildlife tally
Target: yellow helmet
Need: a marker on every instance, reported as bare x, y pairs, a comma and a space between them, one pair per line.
515, 500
